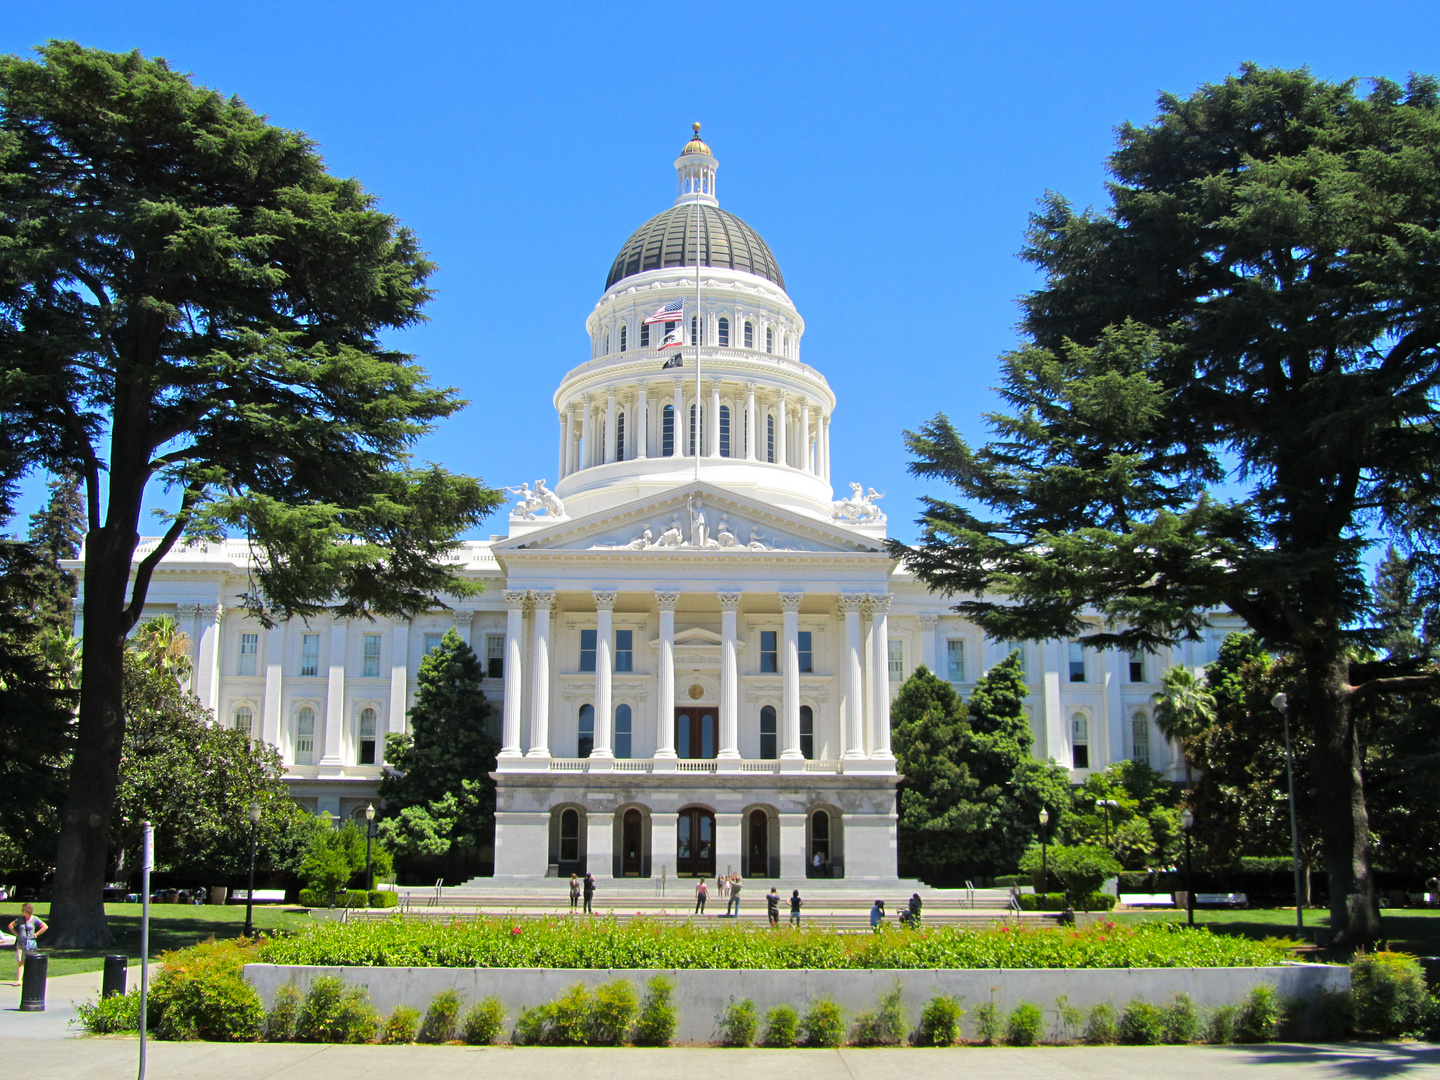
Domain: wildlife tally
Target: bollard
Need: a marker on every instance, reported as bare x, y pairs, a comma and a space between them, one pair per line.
32, 992
114, 980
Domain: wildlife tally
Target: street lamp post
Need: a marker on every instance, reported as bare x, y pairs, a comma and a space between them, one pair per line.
1044, 850
1281, 702
369, 833
1187, 822
250, 892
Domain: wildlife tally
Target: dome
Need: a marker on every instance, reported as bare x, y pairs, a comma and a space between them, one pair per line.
668, 239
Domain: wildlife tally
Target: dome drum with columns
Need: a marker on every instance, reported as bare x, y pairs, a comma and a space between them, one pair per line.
691, 656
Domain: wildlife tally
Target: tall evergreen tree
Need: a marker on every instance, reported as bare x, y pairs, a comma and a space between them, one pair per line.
1403, 621
55, 534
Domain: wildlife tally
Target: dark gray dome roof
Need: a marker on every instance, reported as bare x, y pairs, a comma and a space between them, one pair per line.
668, 239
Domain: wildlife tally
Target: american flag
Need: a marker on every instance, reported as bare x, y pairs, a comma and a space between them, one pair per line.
672, 339
671, 312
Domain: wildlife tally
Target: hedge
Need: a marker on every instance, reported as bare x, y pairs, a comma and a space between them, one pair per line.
350, 898
1096, 901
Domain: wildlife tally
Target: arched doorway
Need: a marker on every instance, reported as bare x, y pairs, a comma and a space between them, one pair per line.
758, 844
695, 842
695, 731
819, 863
631, 832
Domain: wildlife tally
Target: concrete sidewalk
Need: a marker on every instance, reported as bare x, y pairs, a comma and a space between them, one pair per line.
61, 995
107, 1058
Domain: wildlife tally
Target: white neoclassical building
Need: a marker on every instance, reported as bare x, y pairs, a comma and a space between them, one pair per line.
691, 644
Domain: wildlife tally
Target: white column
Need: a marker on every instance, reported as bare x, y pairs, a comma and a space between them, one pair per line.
610, 454
540, 684
274, 683
665, 698
514, 647
927, 642
642, 423
207, 664
850, 607
682, 422
806, 462
1055, 737
880, 732
399, 678
335, 698
712, 429
600, 844
587, 431
1114, 748
790, 680
752, 434
565, 441
825, 447
604, 667
781, 412
729, 678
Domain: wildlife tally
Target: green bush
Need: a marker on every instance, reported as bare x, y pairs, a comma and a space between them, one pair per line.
280, 1020
1069, 1020
939, 1022
1391, 1000
658, 1019
1141, 1024
1220, 1027
110, 1015
885, 1026
400, 1026
1009, 881
383, 898
1024, 1025
532, 1024
987, 1023
613, 1012
484, 1023
739, 1022
1096, 901
1081, 869
335, 1013
570, 1018
1255, 1022
441, 1018
1179, 1022
348, 898
782, 1024
1102, 1025
822, 1024
201, 993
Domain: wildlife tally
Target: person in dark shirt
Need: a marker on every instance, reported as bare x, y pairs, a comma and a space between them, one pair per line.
772, 906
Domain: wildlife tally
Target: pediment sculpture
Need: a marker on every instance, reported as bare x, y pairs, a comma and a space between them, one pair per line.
859, 507
533, 503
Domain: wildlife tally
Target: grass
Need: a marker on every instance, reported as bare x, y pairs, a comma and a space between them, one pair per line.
1412, 930
172, 926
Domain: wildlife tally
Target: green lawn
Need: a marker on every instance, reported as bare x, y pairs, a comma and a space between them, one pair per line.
172, 926
1412, 930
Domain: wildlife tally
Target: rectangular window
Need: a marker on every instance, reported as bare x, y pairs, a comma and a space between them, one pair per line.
806, 651
587, 650
623, 731
1077, 662
366, 747
897, 660
955, 660
644, 335
432, 642
494, 656
624, 650
371, 656
249, 650
749, 335
807, 732
1137, 667
309, 654
768, 751
1080, 741
620, 437
768, 659
667, 432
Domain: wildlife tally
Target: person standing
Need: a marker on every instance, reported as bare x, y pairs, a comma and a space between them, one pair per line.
795, 905
877, 915
736, 885
702, 893
26, 929
589, 893
772, 906
574, 892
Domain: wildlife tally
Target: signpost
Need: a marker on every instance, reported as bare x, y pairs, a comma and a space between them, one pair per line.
147, 863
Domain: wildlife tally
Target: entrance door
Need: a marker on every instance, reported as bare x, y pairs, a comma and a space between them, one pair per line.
630, 844
695, 731
695, 843
759, 843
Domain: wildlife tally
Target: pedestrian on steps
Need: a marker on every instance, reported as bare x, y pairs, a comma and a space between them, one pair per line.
795, 905
702, 893
589, 893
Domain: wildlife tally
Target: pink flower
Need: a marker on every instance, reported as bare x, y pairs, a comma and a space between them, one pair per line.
514, 930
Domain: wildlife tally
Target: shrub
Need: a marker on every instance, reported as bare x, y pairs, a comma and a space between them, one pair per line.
1024, 1025
1179, 1023
781, 1025
1141, 1024
383, 898
613, 1012
335, 1013
822, 1024
885, 1026
569, 1021
658, 1019
987, 1023
441, 1018
201, 993
1255, 1022
1068, 1019
531, 1025
280, 1021
1095, 901
1390, 996
738, 1023
1081, 869
1220, 1028
484, 1022
1101, 1025
349, 898
1329, 1016
939, 1022
109, 1015
400, 1026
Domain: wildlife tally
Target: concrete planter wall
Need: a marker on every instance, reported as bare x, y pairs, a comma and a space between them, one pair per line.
701, 995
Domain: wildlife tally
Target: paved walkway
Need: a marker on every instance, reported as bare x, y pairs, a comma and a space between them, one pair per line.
61, 995
106, 1059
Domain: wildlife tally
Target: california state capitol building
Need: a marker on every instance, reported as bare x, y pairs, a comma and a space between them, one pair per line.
691, 656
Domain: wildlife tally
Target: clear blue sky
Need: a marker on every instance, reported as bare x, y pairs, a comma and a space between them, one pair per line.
888, 152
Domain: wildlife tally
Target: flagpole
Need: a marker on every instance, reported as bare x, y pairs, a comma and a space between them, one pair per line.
699, 329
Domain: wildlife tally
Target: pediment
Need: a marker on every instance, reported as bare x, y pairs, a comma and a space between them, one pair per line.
686, 521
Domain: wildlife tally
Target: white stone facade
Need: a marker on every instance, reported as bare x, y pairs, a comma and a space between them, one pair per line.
691, 657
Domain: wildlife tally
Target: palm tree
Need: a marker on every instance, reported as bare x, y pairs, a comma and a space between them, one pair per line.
1183, 710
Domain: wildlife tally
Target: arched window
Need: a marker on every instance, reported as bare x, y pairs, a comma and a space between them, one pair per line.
620, 436
365, 743
770, 438
623, 330
305, 736
749, 334
623, 731
586, 741
694, 330
724, 341
769, 339
1080, 738
820, 836
644, 335
607, 343
724, 430
667, 432
244, 717
1140, 738
569, 836
767, 733
807, 732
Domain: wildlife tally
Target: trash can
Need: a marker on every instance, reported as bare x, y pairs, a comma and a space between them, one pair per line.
32, 989
113, 981
219, 894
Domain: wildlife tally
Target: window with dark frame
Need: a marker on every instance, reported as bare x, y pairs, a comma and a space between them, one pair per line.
494, 656
807, 732
768, 751
769, 656
587, 650
585, 741
624, 650
807, 654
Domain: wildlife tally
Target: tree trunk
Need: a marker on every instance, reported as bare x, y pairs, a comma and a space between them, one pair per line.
1339, 802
